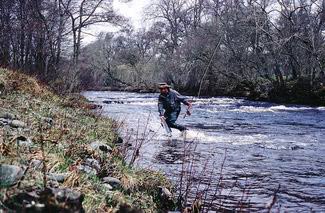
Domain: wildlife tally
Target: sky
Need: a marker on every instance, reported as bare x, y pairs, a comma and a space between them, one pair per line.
132, 10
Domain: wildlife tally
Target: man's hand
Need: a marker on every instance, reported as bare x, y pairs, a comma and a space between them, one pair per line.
162, 118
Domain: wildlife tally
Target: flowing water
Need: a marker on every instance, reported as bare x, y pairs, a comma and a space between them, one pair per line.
248, 150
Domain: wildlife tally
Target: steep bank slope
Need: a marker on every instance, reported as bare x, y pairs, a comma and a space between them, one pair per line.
57, 154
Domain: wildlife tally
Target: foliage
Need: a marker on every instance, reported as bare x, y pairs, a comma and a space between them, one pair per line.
219, 47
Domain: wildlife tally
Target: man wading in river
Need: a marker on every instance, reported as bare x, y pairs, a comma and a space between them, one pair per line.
169, 106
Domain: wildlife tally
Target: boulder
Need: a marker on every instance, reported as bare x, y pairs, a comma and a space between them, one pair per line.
10, 175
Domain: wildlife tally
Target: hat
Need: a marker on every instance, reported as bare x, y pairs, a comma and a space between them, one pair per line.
163, 85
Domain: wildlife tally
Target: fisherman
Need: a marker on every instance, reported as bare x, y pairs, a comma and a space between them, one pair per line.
169, 106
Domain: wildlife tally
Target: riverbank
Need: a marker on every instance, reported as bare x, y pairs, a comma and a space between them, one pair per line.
56, 153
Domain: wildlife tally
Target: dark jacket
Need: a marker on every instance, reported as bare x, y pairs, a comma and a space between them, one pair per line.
171, 102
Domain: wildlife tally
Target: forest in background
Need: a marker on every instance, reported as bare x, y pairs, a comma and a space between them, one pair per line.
262, 49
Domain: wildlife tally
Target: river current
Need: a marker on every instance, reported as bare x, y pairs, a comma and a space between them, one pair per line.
244, 152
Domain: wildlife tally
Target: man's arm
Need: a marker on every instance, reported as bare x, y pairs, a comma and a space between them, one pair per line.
182, 99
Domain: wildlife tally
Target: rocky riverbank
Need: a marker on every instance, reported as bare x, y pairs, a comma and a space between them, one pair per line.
57, 154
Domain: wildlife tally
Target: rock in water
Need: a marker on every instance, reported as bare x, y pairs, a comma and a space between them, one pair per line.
10, 175
118, 140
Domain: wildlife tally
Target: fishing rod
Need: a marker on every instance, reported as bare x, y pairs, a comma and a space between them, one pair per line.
206, 69
188, 110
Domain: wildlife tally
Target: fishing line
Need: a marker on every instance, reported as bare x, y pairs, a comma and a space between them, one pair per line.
188, 112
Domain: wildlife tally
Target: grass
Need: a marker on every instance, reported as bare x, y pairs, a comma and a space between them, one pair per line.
65, 143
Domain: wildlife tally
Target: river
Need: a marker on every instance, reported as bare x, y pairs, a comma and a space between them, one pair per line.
249, 150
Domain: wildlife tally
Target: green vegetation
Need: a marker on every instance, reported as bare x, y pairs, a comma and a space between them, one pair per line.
61, 130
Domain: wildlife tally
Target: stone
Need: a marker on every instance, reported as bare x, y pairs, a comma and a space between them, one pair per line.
4, 121
114, 182
119, 140
165, 193
107, 186
107, 102
36, 164
97, 145
59, 177
47, 200
66, 194
10, 175
48, 120
296, 147
53, 184
7, 115
2, 88
17, 124
166, 197
127, 208
87, 169
93, 163
23, 141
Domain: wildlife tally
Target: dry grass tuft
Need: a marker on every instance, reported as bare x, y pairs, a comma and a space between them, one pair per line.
73, 180
15, 81
129, 182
